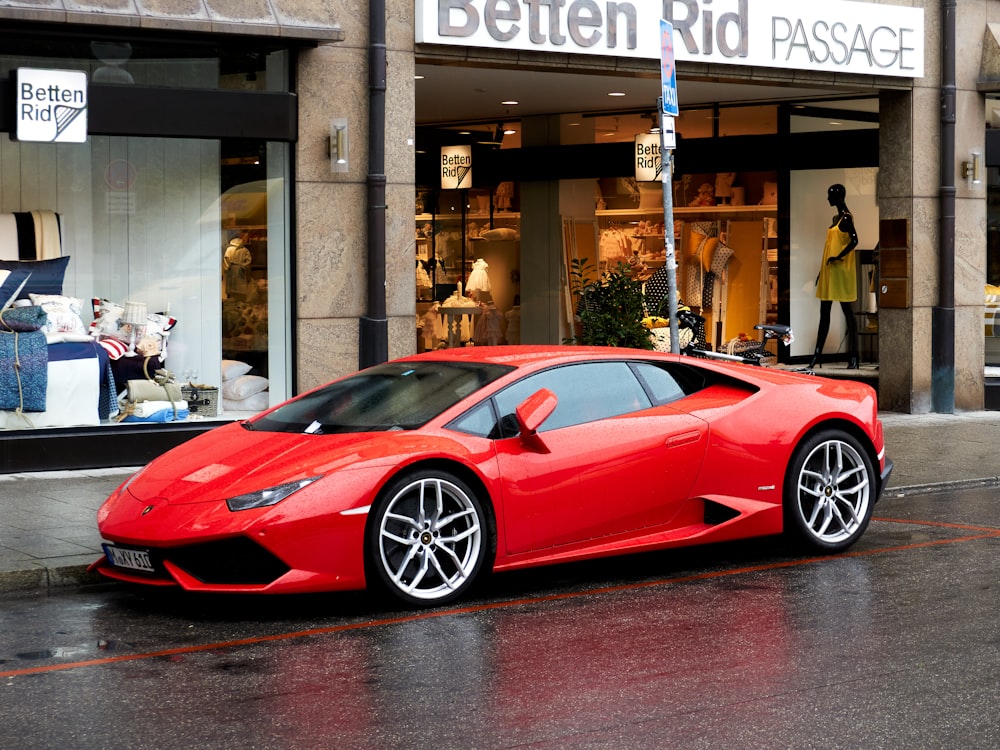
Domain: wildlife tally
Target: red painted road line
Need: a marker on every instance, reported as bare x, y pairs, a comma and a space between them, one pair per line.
942, 525
988, 534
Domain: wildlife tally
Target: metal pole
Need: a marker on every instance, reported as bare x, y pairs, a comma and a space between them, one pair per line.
666, 168
374, 327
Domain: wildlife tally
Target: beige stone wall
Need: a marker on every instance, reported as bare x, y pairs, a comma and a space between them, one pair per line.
909, 188
331, 209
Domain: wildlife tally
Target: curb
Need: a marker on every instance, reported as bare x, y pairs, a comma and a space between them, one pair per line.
937, 487
42, 579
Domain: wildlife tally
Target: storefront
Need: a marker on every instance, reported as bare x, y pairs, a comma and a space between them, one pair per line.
751, 173
146, 189
778, 100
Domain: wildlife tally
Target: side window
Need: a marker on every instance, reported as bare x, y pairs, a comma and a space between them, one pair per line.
480, 420
586, 392
666, 383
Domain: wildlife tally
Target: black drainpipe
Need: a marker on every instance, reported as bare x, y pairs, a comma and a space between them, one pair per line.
943, 315
374, 330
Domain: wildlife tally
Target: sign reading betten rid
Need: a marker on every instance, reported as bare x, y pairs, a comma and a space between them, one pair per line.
51, 106
456, 167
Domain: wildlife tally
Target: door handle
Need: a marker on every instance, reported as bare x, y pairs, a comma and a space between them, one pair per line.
683, 438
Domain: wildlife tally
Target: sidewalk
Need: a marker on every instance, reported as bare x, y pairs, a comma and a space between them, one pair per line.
48, 529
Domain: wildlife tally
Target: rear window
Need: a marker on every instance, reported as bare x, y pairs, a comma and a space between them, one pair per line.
392, 396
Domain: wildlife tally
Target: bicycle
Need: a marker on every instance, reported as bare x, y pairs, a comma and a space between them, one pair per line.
755, 353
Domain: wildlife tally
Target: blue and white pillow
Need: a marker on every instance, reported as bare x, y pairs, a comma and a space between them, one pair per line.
11, 284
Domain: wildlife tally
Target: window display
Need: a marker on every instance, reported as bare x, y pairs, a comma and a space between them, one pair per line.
725, 251
468, 268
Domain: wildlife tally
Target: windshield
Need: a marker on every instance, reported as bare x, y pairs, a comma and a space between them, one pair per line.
392, 396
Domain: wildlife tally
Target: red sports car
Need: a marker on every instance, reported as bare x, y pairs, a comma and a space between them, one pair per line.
420, 474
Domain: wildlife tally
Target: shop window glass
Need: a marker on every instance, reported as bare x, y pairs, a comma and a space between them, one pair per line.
748, 120
468, 266
149, 221
696, 123
822, 116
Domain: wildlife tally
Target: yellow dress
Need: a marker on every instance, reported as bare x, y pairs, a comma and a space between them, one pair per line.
838, 281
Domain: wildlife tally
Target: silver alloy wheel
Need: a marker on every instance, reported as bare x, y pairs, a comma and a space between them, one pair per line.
833, 493
429, 539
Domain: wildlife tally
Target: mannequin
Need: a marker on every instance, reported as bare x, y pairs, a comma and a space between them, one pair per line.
236, 262
837, 278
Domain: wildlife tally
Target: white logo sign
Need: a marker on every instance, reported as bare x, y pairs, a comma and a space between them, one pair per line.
51, 105
840, 36
456, 167
648, 162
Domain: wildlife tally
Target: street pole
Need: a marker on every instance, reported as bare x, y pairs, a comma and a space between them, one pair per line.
666, 179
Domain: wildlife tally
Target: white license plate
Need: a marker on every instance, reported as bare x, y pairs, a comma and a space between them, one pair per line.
133, 559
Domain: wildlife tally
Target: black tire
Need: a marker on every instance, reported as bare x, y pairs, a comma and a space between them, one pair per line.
830, 491
428, 536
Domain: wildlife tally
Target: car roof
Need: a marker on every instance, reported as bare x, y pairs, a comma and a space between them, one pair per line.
528, 356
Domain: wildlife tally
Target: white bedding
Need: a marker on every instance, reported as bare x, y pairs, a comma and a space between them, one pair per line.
71, 397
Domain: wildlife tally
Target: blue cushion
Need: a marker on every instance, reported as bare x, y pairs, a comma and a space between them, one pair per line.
46, 275
11, 284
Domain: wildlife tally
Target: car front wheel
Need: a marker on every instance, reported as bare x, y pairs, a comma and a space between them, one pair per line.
829, 492
428, 538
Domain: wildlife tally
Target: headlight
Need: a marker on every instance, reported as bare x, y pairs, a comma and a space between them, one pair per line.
266, 497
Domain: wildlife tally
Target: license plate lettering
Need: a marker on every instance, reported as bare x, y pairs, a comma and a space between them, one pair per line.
133, 559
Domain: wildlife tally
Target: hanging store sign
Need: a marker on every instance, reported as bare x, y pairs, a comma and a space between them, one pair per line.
51, 106
840, 36
456, 167
648, 161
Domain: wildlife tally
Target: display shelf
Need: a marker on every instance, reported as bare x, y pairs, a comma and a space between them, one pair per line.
717, 212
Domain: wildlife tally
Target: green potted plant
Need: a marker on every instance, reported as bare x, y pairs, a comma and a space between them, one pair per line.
610, 308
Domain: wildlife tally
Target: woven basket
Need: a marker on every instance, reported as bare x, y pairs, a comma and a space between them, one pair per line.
202, 399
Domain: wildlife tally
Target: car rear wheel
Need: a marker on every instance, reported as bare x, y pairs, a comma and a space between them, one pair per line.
428, 537
829, 492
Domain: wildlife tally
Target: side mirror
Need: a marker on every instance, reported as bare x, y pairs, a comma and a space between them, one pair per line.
532, 413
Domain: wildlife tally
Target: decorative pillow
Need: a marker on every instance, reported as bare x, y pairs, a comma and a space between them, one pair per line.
11, 284
46, 275
233, 368
708, 252
64, 313
106, 320
116, 349
243, 387
500, 233
723, 254
256, 402
22, 319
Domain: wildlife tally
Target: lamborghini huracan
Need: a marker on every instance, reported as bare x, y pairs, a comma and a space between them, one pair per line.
420, 475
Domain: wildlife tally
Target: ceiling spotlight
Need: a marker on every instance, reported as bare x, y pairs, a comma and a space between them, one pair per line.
616, 93
510, 103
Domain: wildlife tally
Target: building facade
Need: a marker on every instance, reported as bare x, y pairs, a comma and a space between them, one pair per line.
227, 179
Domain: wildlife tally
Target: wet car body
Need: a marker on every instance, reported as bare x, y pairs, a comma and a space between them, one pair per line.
499, 458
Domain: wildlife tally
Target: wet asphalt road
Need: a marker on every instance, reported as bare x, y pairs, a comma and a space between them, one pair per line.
895, 645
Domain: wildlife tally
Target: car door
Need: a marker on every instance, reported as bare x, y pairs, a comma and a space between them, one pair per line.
615, 463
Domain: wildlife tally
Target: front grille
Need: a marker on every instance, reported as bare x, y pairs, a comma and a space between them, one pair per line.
237, 561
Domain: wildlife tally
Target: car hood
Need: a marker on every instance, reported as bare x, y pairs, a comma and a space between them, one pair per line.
230, 461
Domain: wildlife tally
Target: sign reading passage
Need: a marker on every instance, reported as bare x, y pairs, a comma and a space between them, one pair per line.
51, 105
